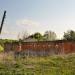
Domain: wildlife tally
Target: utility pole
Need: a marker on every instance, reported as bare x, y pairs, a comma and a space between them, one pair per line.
2, 21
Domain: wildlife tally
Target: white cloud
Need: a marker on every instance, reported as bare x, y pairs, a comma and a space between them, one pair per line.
6, 34
27, 22
29, 25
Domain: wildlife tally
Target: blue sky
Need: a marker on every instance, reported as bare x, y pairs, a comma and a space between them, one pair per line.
37, 16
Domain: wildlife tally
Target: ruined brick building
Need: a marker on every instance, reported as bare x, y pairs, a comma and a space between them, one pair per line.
42, 48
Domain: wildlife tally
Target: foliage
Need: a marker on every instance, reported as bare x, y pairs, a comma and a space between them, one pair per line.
48, 36
51, 65
2, 41
1, 49
69, 35
38, 36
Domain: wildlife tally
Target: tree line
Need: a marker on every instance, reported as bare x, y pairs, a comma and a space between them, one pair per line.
37, 36
47, 36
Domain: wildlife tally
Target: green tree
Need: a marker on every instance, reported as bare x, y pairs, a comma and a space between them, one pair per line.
35, 37
69, 35
38, 36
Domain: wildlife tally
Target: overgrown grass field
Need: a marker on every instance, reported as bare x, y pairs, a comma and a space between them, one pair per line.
51, 65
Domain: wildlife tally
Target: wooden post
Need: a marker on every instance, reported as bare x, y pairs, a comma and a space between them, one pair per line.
2, 21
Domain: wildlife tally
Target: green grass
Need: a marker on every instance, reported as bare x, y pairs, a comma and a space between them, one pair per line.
51, 65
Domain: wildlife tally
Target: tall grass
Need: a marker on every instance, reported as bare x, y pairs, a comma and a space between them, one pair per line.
51, 65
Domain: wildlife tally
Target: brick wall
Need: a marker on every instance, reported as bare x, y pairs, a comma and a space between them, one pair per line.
42, 48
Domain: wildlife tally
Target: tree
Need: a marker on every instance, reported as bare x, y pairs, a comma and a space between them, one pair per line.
69, 35
23, 35
49, 36
35, 37
38, 36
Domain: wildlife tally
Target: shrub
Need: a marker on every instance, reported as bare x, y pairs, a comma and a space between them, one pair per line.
1, 49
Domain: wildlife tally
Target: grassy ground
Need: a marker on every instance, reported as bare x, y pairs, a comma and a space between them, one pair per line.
51, 65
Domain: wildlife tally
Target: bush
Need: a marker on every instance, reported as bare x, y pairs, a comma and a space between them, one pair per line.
1, 49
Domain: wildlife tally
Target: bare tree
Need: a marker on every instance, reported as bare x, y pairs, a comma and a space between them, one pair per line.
49, 36
23, 35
